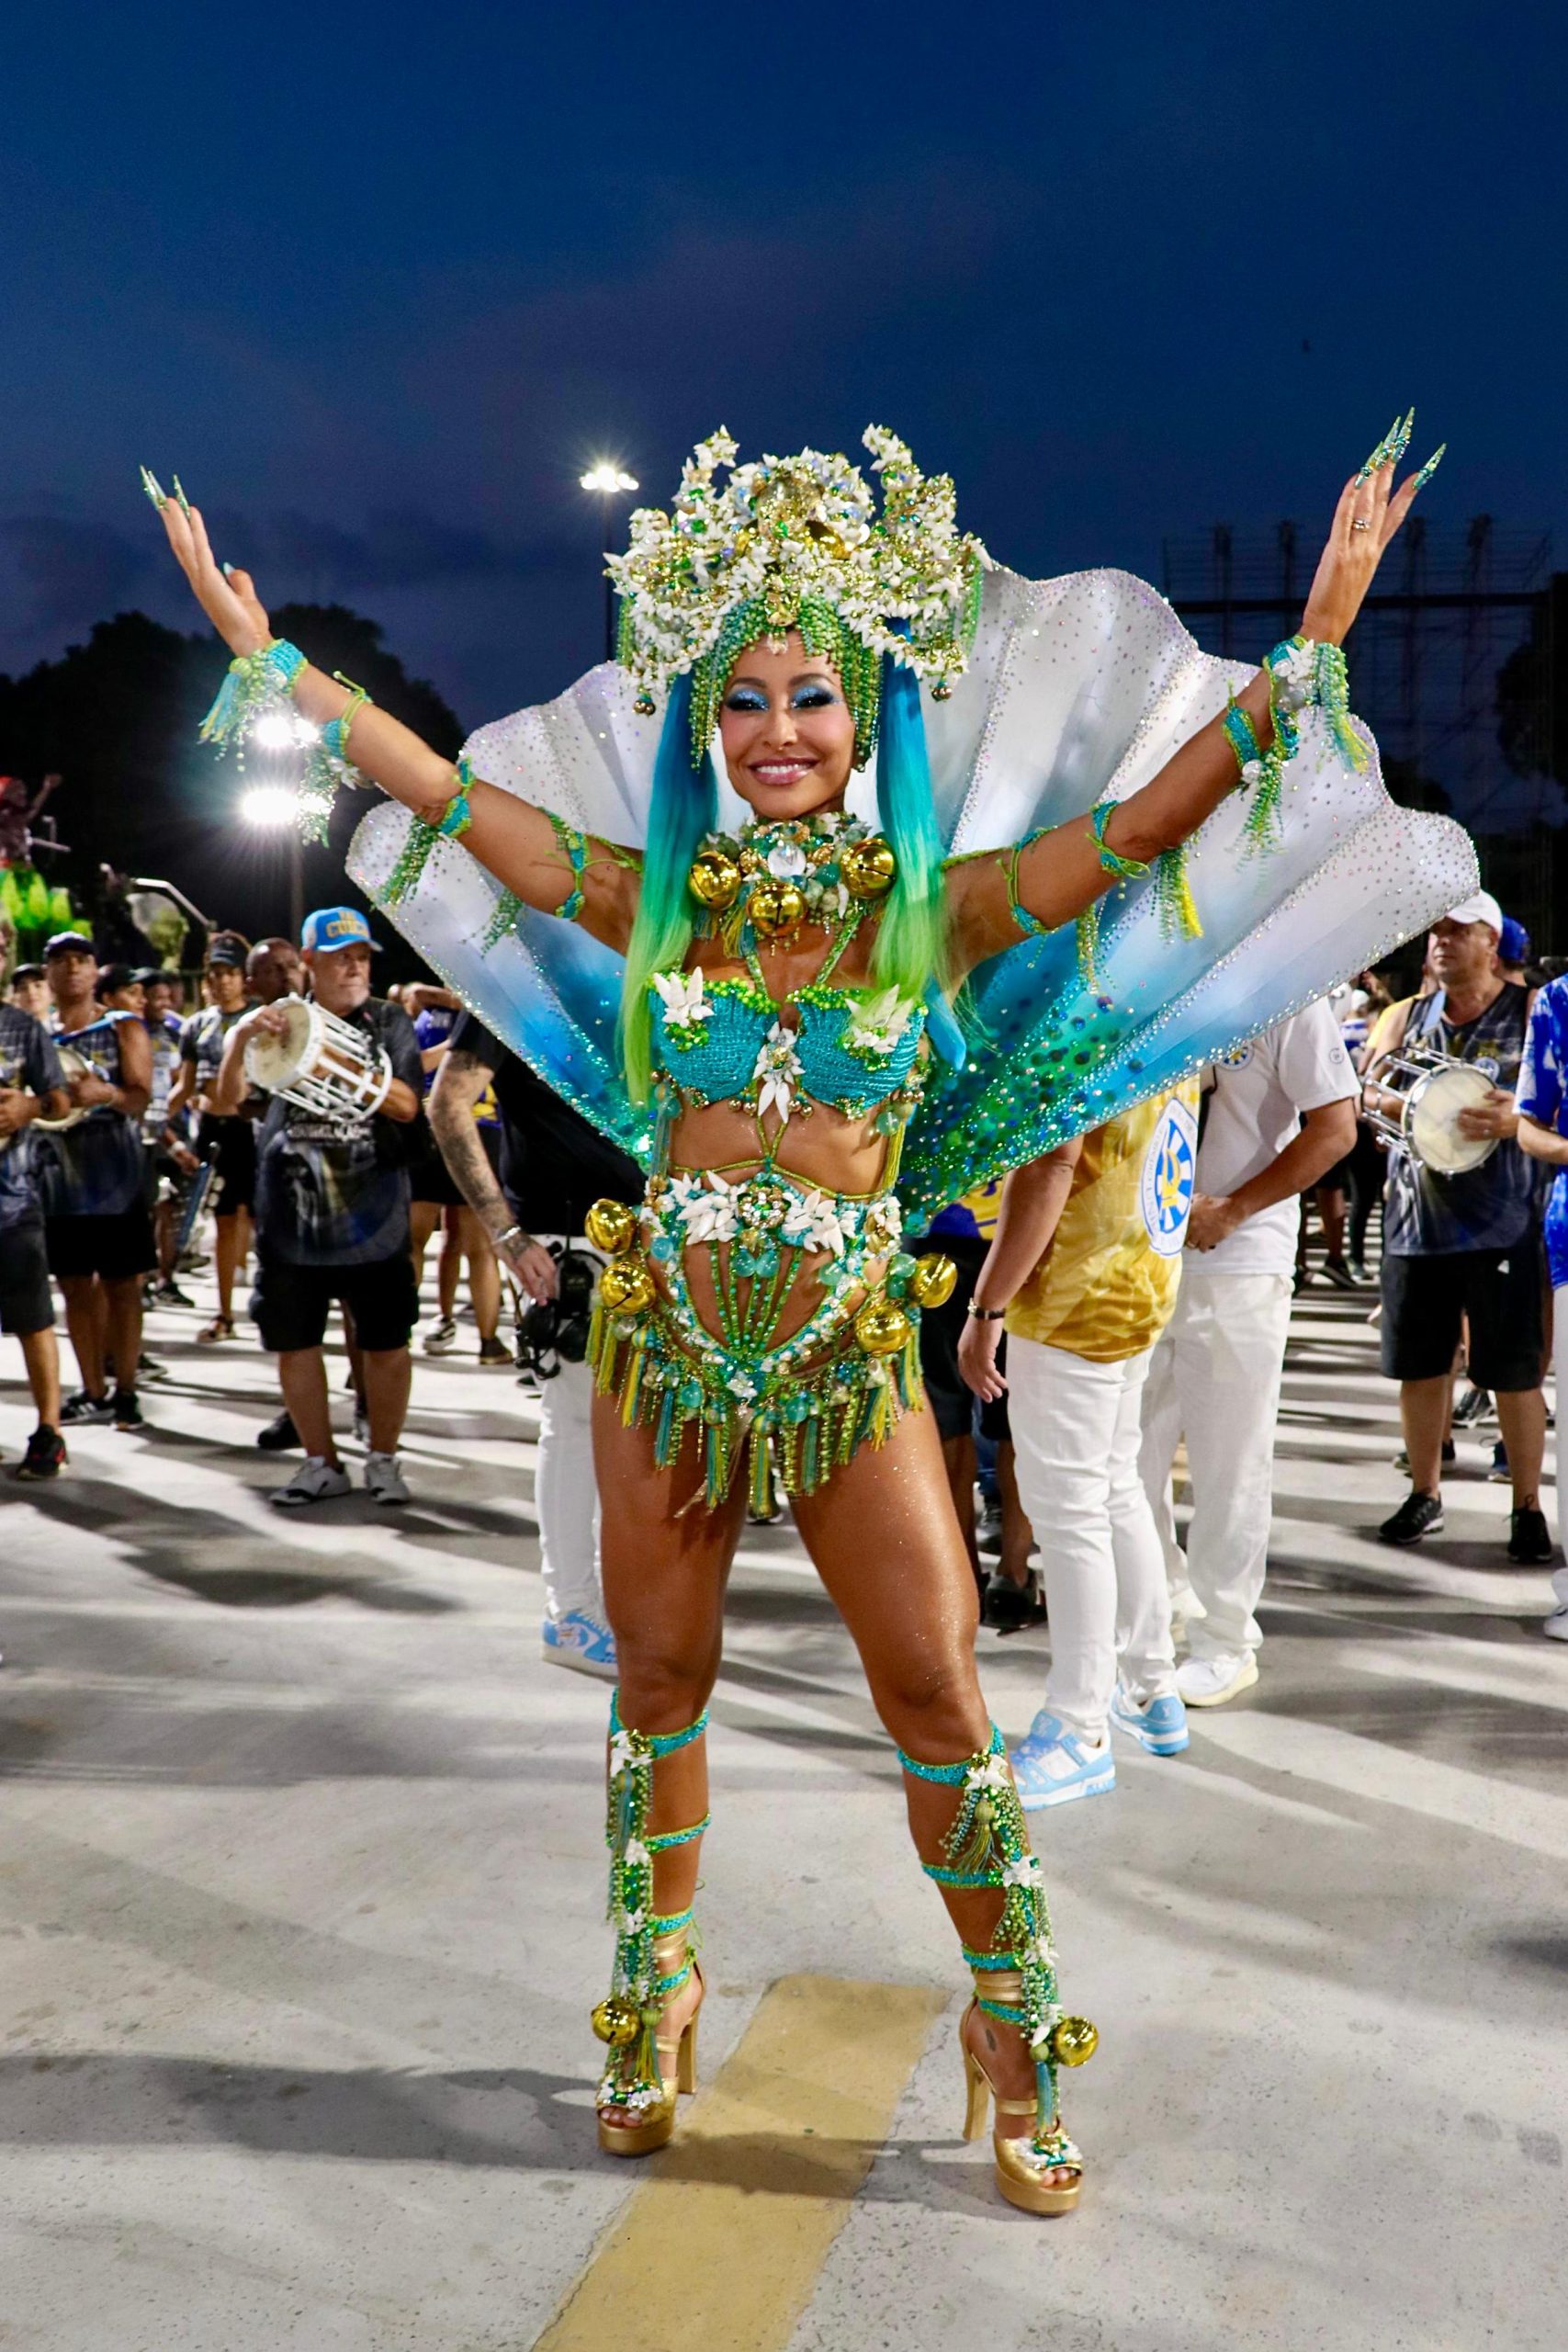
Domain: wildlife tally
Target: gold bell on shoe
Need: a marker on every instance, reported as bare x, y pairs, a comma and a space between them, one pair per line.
1075, 2042
615, 2022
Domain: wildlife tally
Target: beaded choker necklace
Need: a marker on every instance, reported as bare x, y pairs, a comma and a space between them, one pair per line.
824, 869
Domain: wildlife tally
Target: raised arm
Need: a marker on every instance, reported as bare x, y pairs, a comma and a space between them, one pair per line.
1056, 874
527, 851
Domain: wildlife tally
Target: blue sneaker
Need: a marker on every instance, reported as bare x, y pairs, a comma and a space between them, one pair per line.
579, 1641
1054, 1765
1158, 1725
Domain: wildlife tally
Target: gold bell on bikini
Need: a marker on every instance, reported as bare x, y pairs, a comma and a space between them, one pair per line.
714, 880
931, 1283
616, 2022
776, 906
1075, 2042
883, 1328
611, 1226
626, 1286
868, 869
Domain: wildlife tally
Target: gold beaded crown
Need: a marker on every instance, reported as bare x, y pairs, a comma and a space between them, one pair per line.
796, 543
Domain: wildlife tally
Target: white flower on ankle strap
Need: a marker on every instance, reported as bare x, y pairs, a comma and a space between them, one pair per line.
637, 1853
1046, 2027
633, 1922
623, 1754
991, 1774
1025, 1871
1041, 1952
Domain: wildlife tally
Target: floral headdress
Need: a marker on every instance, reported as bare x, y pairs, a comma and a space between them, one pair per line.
796, 543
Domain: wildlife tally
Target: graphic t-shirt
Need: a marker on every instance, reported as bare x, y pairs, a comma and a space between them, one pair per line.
974, 1216
94, 1169
202, 1041
28, 1059
1251, 1111
166, 1037
1106, 1287
1489, 1207
1544, 1071
554, 1165
333, 1188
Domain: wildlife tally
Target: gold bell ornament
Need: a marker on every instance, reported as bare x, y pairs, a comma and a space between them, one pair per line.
714, 880
933, 1281
869, 868
883, 1328
616, 2022
775, 908
611, 1226
626, 1286
1075, 2042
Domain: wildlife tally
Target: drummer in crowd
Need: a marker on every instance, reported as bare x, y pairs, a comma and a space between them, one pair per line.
225, 1139
167, 1178
98, 1228
333, 1215
31, 1088
1465, 1247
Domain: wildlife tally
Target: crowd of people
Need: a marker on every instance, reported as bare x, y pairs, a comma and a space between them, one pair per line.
1126, 1294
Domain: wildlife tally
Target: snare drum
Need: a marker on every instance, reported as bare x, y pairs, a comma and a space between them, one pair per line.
1433, 1091
320, 1062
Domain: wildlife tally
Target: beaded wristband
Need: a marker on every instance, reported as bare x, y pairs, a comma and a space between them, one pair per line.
1125, 869
334, 734
457, 816
574, 847
253, 682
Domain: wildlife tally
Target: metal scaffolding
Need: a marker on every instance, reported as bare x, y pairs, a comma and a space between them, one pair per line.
1449, 610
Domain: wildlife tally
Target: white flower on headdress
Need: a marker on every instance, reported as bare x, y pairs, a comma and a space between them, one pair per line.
785, 861
778, 1067
880, 1023
681, 993
812, 1221
710, 1215
1025, 1871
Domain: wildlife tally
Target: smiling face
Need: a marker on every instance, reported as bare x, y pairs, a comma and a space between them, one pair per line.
787, 732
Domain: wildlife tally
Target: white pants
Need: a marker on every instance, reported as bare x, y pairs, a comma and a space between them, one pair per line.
1074, 1434
1215, 1378
565, 1496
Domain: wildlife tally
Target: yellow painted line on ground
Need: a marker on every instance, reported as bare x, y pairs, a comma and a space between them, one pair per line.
723, 2240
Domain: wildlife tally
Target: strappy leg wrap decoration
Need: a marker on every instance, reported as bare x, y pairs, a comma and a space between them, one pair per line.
653, 1952
987, 1844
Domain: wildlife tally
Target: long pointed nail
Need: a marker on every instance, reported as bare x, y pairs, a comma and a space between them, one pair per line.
1379, 455
179, 494
1402, 431
229, 569
1433, 462
154, 490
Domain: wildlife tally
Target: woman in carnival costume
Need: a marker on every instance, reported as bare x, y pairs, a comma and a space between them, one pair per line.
1099, 858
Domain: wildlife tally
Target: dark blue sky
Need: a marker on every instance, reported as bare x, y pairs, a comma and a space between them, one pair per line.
380, 282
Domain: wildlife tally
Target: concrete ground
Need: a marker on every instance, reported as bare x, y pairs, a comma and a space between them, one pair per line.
301, 1919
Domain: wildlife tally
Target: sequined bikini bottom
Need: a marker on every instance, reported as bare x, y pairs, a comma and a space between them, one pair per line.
793, 1407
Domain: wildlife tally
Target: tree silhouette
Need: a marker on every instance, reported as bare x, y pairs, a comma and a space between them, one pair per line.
118, 718
1532, 690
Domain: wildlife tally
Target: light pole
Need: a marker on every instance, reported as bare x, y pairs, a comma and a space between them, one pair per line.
608, 481
273, 809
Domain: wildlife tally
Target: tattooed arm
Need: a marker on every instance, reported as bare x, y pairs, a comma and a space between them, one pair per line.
460, 1081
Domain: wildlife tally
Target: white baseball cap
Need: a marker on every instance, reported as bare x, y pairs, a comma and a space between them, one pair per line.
1480, 906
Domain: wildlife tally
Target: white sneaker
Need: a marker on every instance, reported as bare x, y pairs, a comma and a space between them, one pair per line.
1556, 1625
316, 1481
580, 1641
1210, 1681
384, 1481
441, 1338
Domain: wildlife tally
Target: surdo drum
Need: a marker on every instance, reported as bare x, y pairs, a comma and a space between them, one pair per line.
321, 1063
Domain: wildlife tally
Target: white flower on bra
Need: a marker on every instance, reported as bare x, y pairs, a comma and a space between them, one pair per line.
681, 993
778, 1067
812, 1221
879, 1023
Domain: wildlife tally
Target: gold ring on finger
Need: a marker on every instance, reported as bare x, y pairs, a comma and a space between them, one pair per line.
1361, 524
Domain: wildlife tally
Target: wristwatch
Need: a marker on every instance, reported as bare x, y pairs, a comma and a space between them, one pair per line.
986, 1314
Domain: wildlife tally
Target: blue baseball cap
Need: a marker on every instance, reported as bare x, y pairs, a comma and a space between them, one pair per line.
1513, 942
333, 927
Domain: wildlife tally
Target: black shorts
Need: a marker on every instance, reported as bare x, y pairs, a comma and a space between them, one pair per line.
431, 1181
230, 1146
291, 1304
1499, 1289
952, 1401
114, 1247
26, 1303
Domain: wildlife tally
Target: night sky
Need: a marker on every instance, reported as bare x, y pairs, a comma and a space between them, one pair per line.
378, 283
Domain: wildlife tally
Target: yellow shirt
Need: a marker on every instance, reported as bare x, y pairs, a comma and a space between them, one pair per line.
1106, 1286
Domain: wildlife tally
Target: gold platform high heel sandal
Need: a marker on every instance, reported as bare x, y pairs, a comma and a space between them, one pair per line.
987, 1844
1042, 2173
637, 2099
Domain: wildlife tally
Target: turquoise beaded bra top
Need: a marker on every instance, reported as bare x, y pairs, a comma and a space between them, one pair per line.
719, 1041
